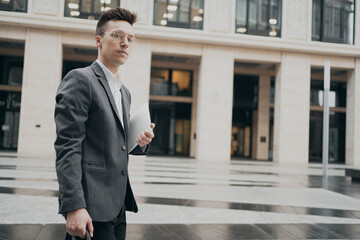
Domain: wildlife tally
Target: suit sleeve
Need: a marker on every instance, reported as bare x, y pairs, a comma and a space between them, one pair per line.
73, 100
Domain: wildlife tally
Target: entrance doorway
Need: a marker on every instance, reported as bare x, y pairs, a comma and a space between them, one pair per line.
245, 101
11, 74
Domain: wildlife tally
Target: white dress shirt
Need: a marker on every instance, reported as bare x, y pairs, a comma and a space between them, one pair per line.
115, 83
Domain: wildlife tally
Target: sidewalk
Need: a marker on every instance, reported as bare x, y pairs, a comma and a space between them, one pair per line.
185, 199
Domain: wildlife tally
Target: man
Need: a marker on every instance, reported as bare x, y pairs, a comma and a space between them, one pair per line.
92, 126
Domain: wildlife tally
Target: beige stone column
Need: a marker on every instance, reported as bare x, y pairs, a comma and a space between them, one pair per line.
136, 72
214, 107
291, 116
263, 119
42, 75
296, 19
46, 7
353, 117
219, 16
143, 8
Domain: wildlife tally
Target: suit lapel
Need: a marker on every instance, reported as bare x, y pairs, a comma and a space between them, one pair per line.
102, 79
125, 107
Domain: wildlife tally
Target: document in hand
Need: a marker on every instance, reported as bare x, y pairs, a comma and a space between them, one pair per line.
139, 122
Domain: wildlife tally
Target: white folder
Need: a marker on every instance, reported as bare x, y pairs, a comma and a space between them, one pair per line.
139, 122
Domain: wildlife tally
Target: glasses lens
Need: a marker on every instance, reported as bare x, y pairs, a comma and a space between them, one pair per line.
120, 36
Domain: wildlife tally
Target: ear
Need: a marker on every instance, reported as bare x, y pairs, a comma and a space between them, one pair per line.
98, 41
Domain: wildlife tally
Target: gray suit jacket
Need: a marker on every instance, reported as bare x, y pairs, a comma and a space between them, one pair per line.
91, 146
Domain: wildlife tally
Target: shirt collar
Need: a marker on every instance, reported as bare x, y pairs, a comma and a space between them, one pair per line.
116, 80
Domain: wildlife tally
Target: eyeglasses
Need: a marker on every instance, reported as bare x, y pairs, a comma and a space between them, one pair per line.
120, 36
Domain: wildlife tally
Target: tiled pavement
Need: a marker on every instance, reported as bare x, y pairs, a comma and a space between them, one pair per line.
185, 199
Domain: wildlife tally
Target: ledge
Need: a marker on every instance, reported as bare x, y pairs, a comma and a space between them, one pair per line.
183, 35
353, 173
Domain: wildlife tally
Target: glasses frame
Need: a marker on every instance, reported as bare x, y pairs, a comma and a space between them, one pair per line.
125, 36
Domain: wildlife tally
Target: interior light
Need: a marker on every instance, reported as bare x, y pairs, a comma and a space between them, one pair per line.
75, 13
102, 1
107, 8
201, 11
174, 1
165, 15
273, 33
241, 30
163, 22
197, 19
108, 1
171, 7
170, 15
273, 21
73, 6
5, 1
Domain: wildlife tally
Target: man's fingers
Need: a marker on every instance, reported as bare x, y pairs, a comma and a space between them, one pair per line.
152, 125
90, 228
148, 134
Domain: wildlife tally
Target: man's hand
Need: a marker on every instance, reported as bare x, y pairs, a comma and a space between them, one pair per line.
77, 221
145, 138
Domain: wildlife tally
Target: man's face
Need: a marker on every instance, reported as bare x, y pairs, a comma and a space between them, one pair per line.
114, 45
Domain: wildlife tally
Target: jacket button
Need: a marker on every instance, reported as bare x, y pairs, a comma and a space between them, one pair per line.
124, 171
123, 147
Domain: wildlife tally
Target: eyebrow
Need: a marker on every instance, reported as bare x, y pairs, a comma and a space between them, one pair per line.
118, 30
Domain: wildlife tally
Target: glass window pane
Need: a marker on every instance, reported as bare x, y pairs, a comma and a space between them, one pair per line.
183, 13
316, 20
13, 5
181, 83
88, 9
197, 14
253, 13
336, 24
159, 83
160, 12
259, 17
241, 15
336, 137
179, 13
86, 6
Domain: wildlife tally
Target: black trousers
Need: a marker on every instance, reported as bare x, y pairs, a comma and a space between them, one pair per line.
113, 230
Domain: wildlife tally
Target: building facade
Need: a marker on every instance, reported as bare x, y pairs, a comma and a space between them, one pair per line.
224, 79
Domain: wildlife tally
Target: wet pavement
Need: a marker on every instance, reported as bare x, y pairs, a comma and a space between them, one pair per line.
185, 199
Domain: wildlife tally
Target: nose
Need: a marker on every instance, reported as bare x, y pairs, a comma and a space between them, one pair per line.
124, 43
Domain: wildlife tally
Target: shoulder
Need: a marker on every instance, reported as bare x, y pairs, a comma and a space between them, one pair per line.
83, 74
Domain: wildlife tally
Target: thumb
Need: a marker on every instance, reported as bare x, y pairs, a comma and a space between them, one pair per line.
90, 227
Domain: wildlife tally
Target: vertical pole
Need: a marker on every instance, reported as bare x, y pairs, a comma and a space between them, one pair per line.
325, 152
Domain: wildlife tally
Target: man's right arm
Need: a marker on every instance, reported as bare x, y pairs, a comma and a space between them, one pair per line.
73, 100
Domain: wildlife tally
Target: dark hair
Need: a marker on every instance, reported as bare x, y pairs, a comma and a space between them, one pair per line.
118, 13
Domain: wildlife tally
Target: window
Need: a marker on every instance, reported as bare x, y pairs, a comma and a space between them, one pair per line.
179, 13
13, 5
258, 17
169, 82
88, 9
170, 109
337, 118
333, 21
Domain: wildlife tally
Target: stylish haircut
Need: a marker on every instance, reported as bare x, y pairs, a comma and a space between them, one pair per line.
118, 13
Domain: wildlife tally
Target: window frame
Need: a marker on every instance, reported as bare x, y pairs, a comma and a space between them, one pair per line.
85, 15
256, 31
178, 24
322, 37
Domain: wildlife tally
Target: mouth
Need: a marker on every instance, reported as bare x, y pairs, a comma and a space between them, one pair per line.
122, 52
